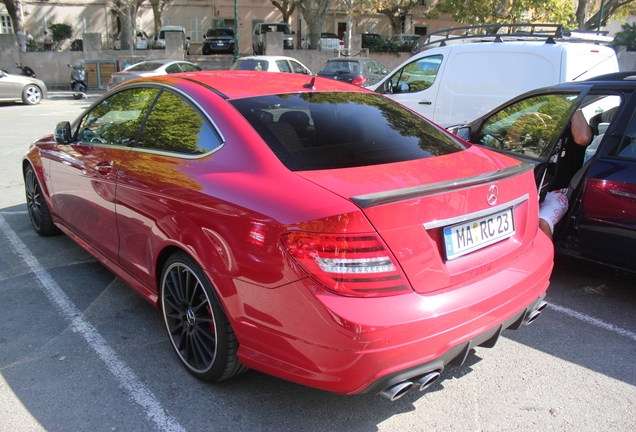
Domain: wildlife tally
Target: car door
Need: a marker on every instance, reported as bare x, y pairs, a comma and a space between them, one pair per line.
83, 173
9, 89
415, 85
607, 226
154, 180
529, 128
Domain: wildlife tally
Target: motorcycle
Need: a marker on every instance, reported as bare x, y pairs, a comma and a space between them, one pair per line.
26, 71
78, 79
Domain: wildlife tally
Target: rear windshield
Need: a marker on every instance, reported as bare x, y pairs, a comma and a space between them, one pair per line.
347, 67
251, 64
318, 131
219, 32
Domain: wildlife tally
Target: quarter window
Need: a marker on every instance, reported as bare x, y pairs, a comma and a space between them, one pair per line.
175, 125
117, 119
627, 148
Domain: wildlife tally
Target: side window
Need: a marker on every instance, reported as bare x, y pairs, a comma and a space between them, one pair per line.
117, 119
627, 148
298, 68
372, 67
416, 76
528, 127
187, 67
175, 125
283, 66
173, 68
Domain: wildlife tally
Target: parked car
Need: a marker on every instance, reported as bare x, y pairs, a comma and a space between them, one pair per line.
142, 41
151, 68
161, 38
600, 224
341, 256
406, 40
218, 40
271, 64
330, 41
258, 35
458, 82
359, 71
369, 39
20, 88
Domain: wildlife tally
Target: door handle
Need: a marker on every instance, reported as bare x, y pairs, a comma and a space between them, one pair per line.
425, 102
104, 168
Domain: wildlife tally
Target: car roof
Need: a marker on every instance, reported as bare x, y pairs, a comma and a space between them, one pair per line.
236, 84
268, 57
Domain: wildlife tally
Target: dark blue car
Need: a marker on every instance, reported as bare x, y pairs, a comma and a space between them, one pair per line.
600, 224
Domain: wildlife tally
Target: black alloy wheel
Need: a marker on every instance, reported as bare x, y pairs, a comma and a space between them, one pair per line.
198, 328
39, 212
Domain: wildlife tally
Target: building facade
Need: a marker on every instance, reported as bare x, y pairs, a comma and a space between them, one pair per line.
197, 16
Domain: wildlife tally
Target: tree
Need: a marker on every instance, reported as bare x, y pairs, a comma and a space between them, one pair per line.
286, 7
126, 11
315, 13
496, 11
158, 7
396, 11
626, 37
12, 10
615, 9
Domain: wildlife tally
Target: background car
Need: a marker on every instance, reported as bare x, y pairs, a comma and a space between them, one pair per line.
258, 35
20, 88
161, 38
271, 64
297, 226
362, 72
405, 40
218, 40
601, 221
151, 68
142, 41
330, 41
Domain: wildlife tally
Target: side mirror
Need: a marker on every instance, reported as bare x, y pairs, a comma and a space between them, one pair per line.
461, 131
404, 88
63, 133
388, 87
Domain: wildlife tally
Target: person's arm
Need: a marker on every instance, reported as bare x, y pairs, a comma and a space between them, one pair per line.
581, 131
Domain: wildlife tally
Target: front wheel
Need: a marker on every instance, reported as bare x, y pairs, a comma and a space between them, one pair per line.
31, 95
39, 212
198, 328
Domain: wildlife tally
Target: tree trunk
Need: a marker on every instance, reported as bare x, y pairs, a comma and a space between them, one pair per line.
315, 18
581, 12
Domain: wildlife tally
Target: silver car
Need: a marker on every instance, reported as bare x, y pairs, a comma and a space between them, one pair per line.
20, 88
150, 68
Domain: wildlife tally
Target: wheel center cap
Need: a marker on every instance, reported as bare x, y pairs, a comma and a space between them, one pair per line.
190, 317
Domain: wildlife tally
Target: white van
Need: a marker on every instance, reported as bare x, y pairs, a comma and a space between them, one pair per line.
161, 38
455, 84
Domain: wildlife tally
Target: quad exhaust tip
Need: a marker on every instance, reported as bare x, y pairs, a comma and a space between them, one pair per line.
533, 315
396, 391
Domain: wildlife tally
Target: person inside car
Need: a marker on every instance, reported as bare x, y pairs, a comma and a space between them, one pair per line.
570, 160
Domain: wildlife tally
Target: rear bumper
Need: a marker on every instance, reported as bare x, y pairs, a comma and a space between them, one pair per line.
352, 345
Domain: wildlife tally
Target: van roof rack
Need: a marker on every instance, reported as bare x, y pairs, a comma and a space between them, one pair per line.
508, 32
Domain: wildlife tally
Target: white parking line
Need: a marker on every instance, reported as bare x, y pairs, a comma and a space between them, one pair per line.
594, 321
124, 375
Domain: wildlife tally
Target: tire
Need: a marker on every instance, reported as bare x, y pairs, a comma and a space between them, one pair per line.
39, 212
197, 326
31, 95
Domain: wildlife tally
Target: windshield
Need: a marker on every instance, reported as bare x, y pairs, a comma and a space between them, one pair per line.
317, 131
219, 32
283, 28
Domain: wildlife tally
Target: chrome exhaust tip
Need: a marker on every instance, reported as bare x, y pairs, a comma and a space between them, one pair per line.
396, 391
425, 381
532, 316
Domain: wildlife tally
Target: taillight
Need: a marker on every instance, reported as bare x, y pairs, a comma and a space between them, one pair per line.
351, 265
359, 80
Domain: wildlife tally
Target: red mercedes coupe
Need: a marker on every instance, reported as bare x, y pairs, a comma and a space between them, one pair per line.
298, 226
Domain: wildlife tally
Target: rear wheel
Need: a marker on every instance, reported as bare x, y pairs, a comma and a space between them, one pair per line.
31, 95
39, 212
198, 328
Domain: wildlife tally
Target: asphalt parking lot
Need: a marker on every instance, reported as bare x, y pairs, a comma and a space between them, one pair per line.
79, 350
